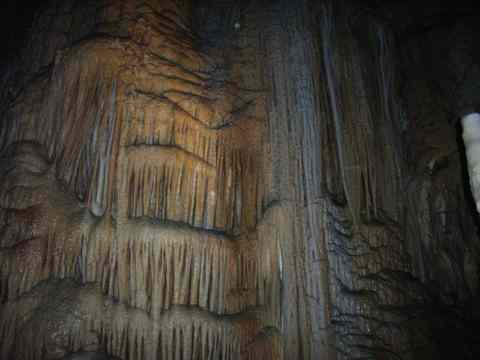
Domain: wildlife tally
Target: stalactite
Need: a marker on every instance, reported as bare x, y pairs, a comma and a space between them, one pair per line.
213, 162
146, 199
83, 319
74, 122
147, 263
154, 265
369, 163
163, 264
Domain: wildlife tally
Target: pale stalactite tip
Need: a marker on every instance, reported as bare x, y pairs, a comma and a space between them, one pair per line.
471, 138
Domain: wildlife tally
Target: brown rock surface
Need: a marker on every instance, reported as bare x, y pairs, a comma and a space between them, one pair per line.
209, 180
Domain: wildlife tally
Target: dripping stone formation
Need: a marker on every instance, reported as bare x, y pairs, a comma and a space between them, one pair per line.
217, 180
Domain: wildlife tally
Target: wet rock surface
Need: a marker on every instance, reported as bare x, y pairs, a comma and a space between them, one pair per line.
199, 180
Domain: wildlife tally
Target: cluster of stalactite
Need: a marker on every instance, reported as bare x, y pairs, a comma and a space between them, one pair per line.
183, 182
62, 317
132, 195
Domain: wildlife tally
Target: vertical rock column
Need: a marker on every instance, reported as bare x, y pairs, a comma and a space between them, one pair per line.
335, 180
295, 192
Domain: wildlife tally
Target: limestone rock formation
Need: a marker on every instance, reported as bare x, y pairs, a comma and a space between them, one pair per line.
471, 138
218, 180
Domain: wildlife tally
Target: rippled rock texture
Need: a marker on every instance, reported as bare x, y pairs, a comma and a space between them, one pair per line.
211, 180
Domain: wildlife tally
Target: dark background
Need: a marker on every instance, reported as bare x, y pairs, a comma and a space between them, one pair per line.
15, 18
407, 17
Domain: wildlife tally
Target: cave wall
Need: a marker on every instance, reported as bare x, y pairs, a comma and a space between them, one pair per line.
440, 85
213, 180
334, 117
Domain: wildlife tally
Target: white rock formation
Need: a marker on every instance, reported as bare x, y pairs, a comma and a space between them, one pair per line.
471, 138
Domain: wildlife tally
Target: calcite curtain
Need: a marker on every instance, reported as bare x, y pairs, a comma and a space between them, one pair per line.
208, 180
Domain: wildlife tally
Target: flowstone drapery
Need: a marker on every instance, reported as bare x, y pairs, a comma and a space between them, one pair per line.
133, 195
212, 180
